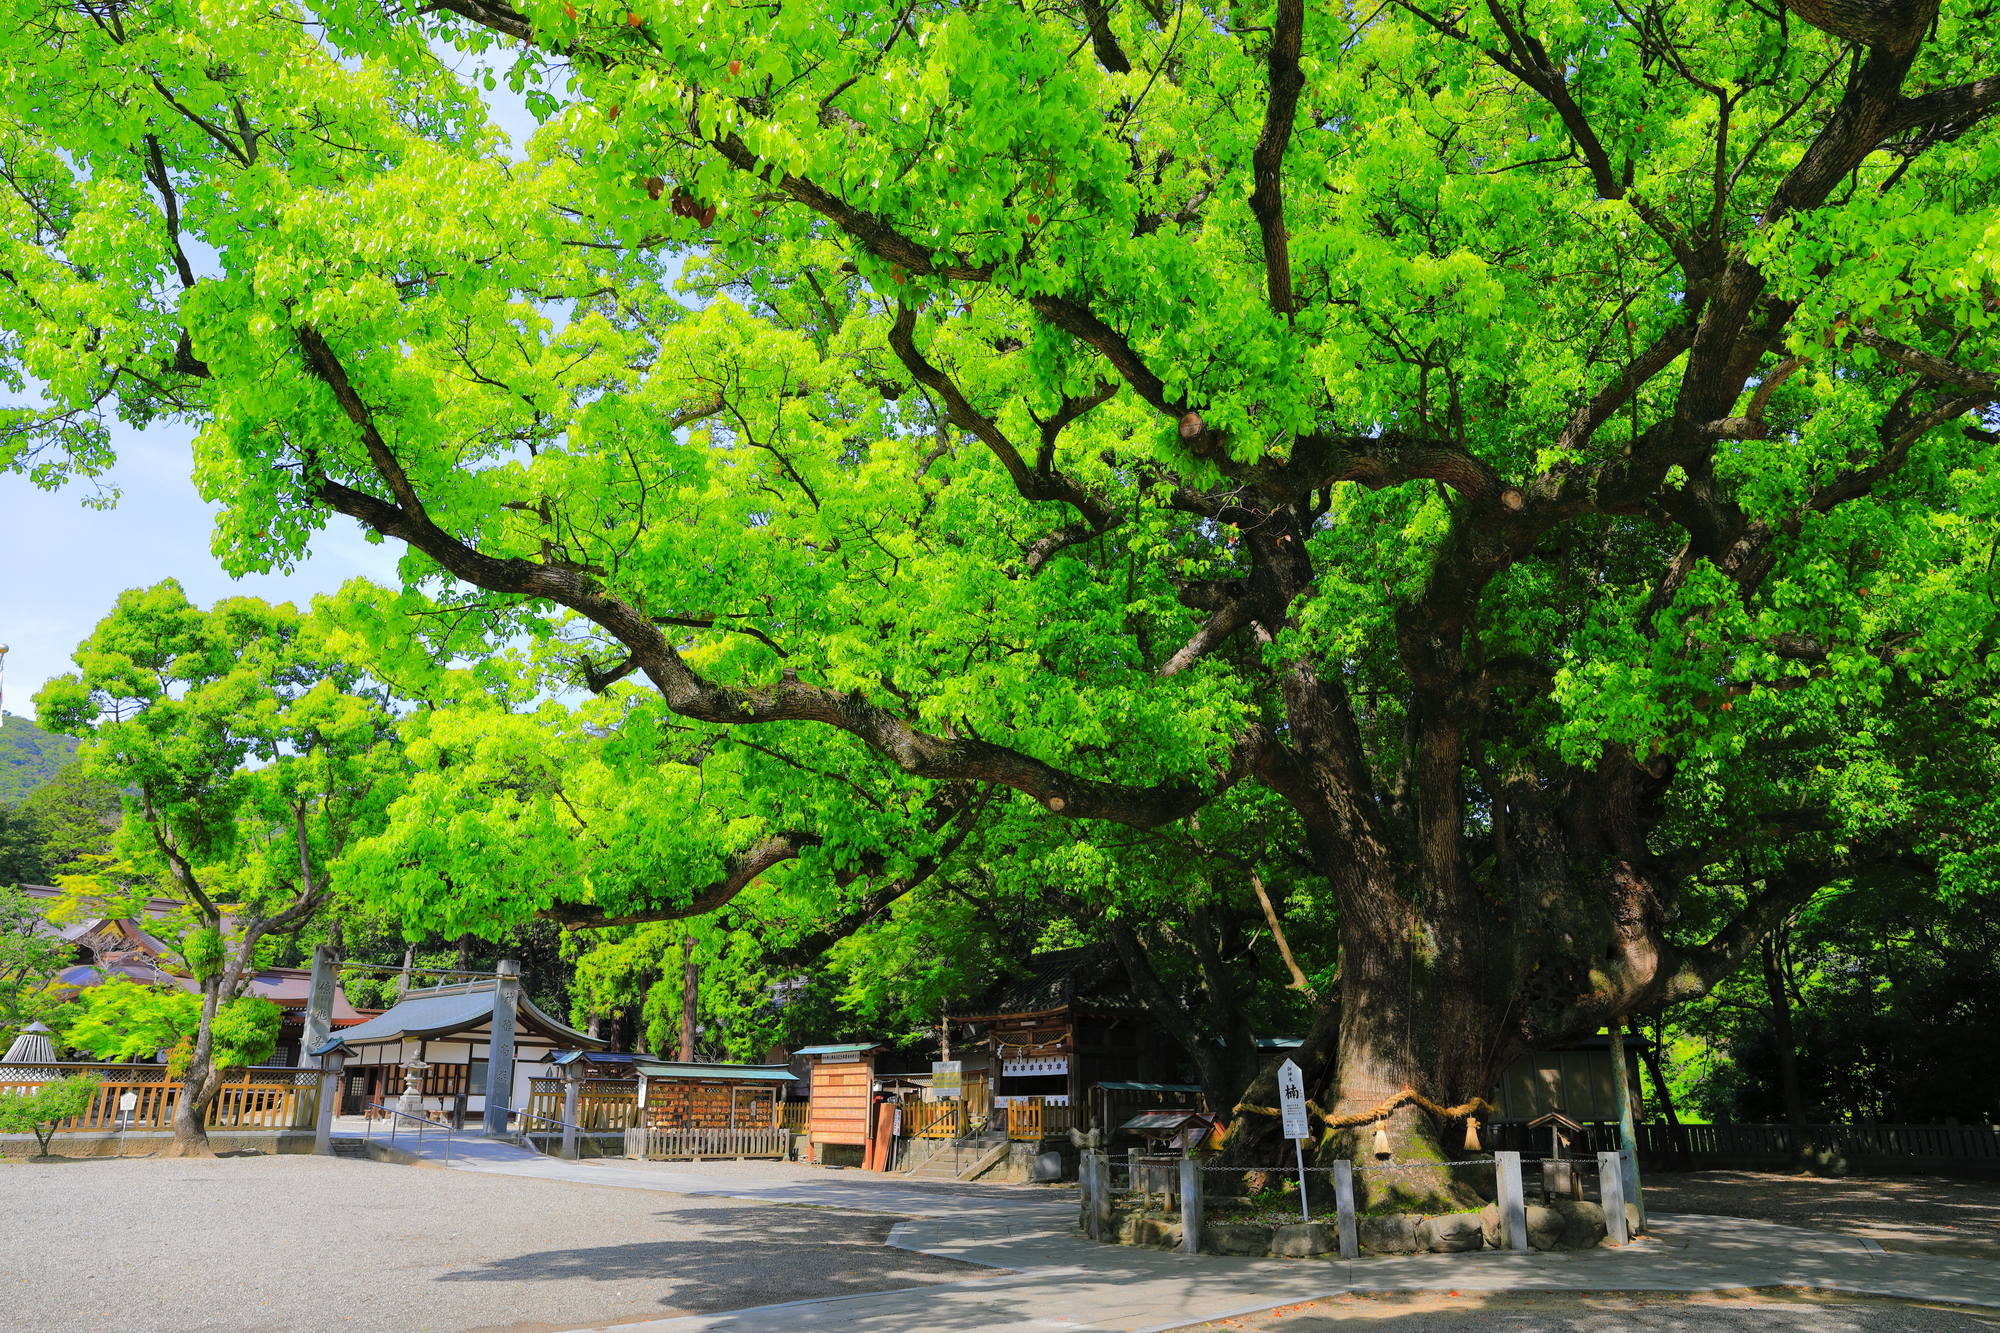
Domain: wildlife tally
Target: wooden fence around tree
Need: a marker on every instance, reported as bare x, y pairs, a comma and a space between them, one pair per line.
251, 1099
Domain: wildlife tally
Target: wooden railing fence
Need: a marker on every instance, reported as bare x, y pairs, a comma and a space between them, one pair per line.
253, 1099
1032, 1118
933, 1120
796, 1117
1781, 1144
1776, 1145
602, 1105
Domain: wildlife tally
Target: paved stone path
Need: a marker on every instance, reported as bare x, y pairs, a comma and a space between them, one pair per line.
1053, 1279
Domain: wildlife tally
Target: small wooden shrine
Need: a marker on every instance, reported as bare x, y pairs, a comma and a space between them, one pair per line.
1071, 1024
692, 1096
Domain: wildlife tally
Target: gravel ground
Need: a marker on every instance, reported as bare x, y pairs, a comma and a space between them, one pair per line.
301, 1244
1916, 1214
1576, 1312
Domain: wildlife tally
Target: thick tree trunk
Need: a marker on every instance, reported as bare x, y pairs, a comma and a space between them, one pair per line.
1419, 1012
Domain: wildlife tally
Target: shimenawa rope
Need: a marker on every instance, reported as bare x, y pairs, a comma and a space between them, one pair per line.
1407, 1097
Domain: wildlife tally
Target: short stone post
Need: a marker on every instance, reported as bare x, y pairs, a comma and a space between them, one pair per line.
332, 1067
1513, 1202
569, 1119
1190, 1205
1343, 1203
1611, 1193
1087, 1185
1100, 1196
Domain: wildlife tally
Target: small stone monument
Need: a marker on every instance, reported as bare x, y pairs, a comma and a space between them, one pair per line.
412, 1100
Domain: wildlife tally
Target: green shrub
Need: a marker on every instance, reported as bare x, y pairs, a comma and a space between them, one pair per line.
40, 1111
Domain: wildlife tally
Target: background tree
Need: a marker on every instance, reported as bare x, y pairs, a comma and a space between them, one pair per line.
1489, 431
66, 818
29, 757
30, 957
41, 1111
20, 849
252, 761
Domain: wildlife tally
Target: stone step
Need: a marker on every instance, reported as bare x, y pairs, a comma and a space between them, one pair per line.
953, 1159
355, 1148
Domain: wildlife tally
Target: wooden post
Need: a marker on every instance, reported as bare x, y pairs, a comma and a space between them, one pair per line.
1190, 1205
1343, 1202
1611, 1193
569, 1119
1513, 1202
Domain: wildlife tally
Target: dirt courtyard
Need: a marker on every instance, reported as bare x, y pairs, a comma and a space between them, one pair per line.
1911, 1214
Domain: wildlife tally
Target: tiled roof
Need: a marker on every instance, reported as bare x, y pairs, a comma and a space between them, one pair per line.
721, 1073
446, 1009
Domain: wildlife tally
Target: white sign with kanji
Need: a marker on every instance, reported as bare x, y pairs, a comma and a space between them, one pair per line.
1292, 1100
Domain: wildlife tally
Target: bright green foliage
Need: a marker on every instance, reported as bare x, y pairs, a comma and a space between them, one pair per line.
40, 1111
122, 1019
125, 1020
1512, 451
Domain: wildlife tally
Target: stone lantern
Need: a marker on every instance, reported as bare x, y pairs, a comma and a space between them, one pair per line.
412, 1100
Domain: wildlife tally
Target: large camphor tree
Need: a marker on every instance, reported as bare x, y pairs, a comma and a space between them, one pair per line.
1535, 447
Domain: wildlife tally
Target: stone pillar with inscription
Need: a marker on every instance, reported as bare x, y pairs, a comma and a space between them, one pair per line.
500, 1051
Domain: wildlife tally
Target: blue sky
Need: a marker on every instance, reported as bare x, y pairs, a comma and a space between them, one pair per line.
64, 562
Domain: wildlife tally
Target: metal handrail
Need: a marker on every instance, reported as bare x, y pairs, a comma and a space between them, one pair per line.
423, 1123
526, 1133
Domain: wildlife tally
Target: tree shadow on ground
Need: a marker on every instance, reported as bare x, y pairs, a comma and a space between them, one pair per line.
1923, 1214
756, 1255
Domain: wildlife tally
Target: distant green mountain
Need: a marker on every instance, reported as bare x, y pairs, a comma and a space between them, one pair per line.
29, 756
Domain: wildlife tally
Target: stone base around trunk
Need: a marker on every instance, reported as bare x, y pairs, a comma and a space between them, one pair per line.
1569, 1225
